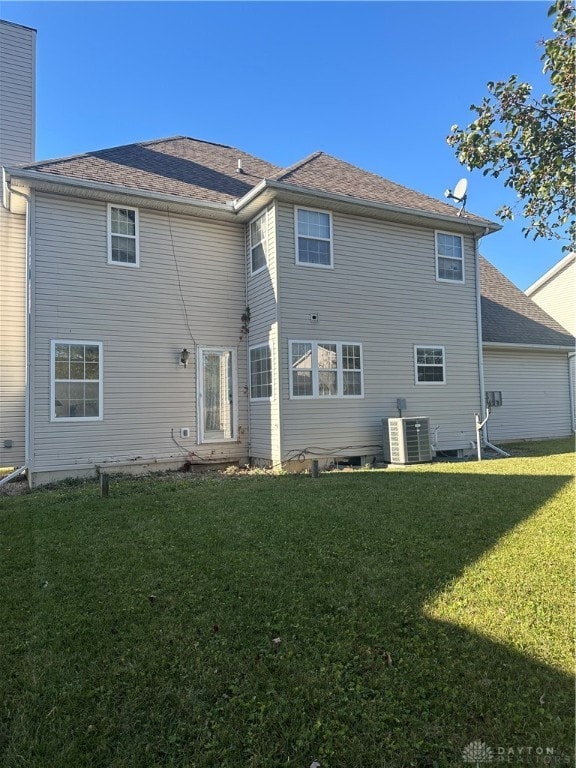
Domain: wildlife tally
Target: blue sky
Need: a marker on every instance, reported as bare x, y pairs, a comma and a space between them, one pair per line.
377, 84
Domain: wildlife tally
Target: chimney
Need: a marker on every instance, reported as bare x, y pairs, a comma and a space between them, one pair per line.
17, 93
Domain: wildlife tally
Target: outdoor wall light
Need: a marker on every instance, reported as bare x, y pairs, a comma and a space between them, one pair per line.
184, 357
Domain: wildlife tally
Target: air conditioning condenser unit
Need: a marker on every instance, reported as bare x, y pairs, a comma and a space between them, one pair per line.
407, 440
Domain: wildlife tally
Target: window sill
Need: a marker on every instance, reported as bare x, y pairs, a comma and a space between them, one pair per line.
314, 266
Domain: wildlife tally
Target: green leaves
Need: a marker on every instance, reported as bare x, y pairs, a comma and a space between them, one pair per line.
530, 142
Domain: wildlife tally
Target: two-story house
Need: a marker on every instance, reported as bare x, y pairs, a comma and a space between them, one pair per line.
177, 300
555, 293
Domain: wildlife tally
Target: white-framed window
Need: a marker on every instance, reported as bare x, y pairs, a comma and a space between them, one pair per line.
217, 395
449, 257
76, 380
320, 369
258, 243
261, 372
313, 235
430, 364
123, 238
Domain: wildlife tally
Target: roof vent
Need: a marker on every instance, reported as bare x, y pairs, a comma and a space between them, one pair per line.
239, 167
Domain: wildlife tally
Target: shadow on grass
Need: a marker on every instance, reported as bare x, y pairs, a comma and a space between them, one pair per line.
336, 570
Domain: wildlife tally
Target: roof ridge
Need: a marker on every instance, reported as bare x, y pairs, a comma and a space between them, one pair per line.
77, 155
290, 168
200, 141
146, 143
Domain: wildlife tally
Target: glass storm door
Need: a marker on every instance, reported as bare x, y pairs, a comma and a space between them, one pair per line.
217, 395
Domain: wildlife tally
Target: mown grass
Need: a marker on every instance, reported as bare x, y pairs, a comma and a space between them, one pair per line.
376, 618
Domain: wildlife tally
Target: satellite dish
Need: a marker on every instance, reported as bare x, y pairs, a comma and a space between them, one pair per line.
459, 193
460, 189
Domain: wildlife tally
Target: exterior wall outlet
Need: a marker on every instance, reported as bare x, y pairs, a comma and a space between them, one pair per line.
184, 431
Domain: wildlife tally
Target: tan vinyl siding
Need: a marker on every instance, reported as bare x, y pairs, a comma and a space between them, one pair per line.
138, 314
263, 303
382, 293
557, 297
17, 94
535, 394
12, 337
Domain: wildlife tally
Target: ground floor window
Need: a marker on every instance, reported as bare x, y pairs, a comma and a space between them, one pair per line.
76, 380
429, 363
325, 369
261, 372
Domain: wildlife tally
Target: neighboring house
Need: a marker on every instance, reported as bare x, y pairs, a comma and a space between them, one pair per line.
527, 369
555, 292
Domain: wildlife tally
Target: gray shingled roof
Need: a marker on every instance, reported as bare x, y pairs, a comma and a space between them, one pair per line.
324, 173
175, 166
201, 170
510, 317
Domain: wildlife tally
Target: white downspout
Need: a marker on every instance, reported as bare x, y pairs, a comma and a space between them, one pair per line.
481, 435
247, 271
479, 332
28, 253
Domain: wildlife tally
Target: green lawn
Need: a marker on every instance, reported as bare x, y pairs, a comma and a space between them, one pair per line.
362, 619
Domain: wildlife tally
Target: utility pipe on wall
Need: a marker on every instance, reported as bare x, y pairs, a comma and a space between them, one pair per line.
480, 442
479, 425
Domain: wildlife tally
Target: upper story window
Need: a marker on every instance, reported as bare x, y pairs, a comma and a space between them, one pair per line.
449, 257
123, 245
313, 238
429, 363
258, 244
325, 369
261, 372
76, 380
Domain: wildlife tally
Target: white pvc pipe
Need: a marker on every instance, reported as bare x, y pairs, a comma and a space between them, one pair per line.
479, 441
12, 475
495, 448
